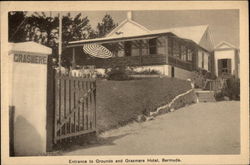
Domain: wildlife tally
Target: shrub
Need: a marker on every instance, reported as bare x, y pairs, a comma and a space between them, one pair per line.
117, 73
198, 79
232, 88
200, 76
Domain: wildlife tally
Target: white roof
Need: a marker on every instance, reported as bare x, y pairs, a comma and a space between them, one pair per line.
224, 44
194, 33
130, 29
30, 47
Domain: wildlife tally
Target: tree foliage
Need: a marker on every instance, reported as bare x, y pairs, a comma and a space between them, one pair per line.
105, 26
76, 28
44, 29
16, 26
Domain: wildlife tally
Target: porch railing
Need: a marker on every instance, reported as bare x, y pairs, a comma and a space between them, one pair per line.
214, 85
179, 63
128, 61
156, 59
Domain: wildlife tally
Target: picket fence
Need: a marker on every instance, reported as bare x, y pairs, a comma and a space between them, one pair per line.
75, 106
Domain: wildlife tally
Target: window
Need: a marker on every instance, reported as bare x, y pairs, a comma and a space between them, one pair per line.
176, 49
152, 46
224, 66
224, 63
202, 62
135, 50
144, 48
170, 46
183, 53
189, 55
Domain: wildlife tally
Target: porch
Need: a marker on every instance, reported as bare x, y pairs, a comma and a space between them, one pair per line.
164, 49
158, 59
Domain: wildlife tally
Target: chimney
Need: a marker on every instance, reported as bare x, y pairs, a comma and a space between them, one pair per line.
129, 15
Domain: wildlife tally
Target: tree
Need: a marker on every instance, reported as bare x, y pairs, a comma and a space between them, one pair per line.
105, 26
16, 26
76, 28
44, 29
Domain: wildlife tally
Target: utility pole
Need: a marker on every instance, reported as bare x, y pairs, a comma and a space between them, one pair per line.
60, 40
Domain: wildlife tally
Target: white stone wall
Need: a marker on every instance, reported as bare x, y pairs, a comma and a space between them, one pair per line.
181, 73
163, 69
29, 98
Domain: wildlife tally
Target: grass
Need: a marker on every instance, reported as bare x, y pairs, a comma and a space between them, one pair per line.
119, 102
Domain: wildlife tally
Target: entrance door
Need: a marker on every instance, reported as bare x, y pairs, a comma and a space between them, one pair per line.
224, 67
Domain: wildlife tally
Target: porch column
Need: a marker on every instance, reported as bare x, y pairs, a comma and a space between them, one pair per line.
140, 52
166, 48
73, 59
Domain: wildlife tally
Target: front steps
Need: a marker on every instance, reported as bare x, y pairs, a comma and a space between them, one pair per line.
205, 96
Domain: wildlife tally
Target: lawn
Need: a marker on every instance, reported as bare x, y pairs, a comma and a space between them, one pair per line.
119, 102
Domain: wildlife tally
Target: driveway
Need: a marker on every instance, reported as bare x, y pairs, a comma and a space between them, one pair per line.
203, 128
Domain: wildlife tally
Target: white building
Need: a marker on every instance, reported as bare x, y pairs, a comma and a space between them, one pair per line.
174, 52
226, 59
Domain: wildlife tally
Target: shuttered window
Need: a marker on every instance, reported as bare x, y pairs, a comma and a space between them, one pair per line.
224, 66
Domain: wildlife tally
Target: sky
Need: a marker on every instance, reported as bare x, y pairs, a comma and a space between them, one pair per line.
223, 24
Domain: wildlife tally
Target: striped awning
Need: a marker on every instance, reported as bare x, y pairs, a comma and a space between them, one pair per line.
96, 50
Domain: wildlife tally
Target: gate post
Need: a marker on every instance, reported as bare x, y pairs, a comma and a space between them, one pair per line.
29, 97
50, 104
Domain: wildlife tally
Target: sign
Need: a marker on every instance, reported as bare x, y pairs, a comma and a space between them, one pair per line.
34, 59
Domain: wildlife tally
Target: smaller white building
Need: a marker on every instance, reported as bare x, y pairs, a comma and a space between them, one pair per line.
226, 59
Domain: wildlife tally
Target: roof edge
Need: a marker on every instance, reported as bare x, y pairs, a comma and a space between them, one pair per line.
125, 21
227, 43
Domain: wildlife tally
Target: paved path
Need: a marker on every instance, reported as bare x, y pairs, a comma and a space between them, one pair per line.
204, 128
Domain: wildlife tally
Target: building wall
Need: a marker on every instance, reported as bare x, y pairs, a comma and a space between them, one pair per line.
199, 59
203, 57
180, 73
206, 61
225, 54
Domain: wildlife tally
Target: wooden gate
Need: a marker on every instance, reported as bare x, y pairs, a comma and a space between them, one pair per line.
75, 106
